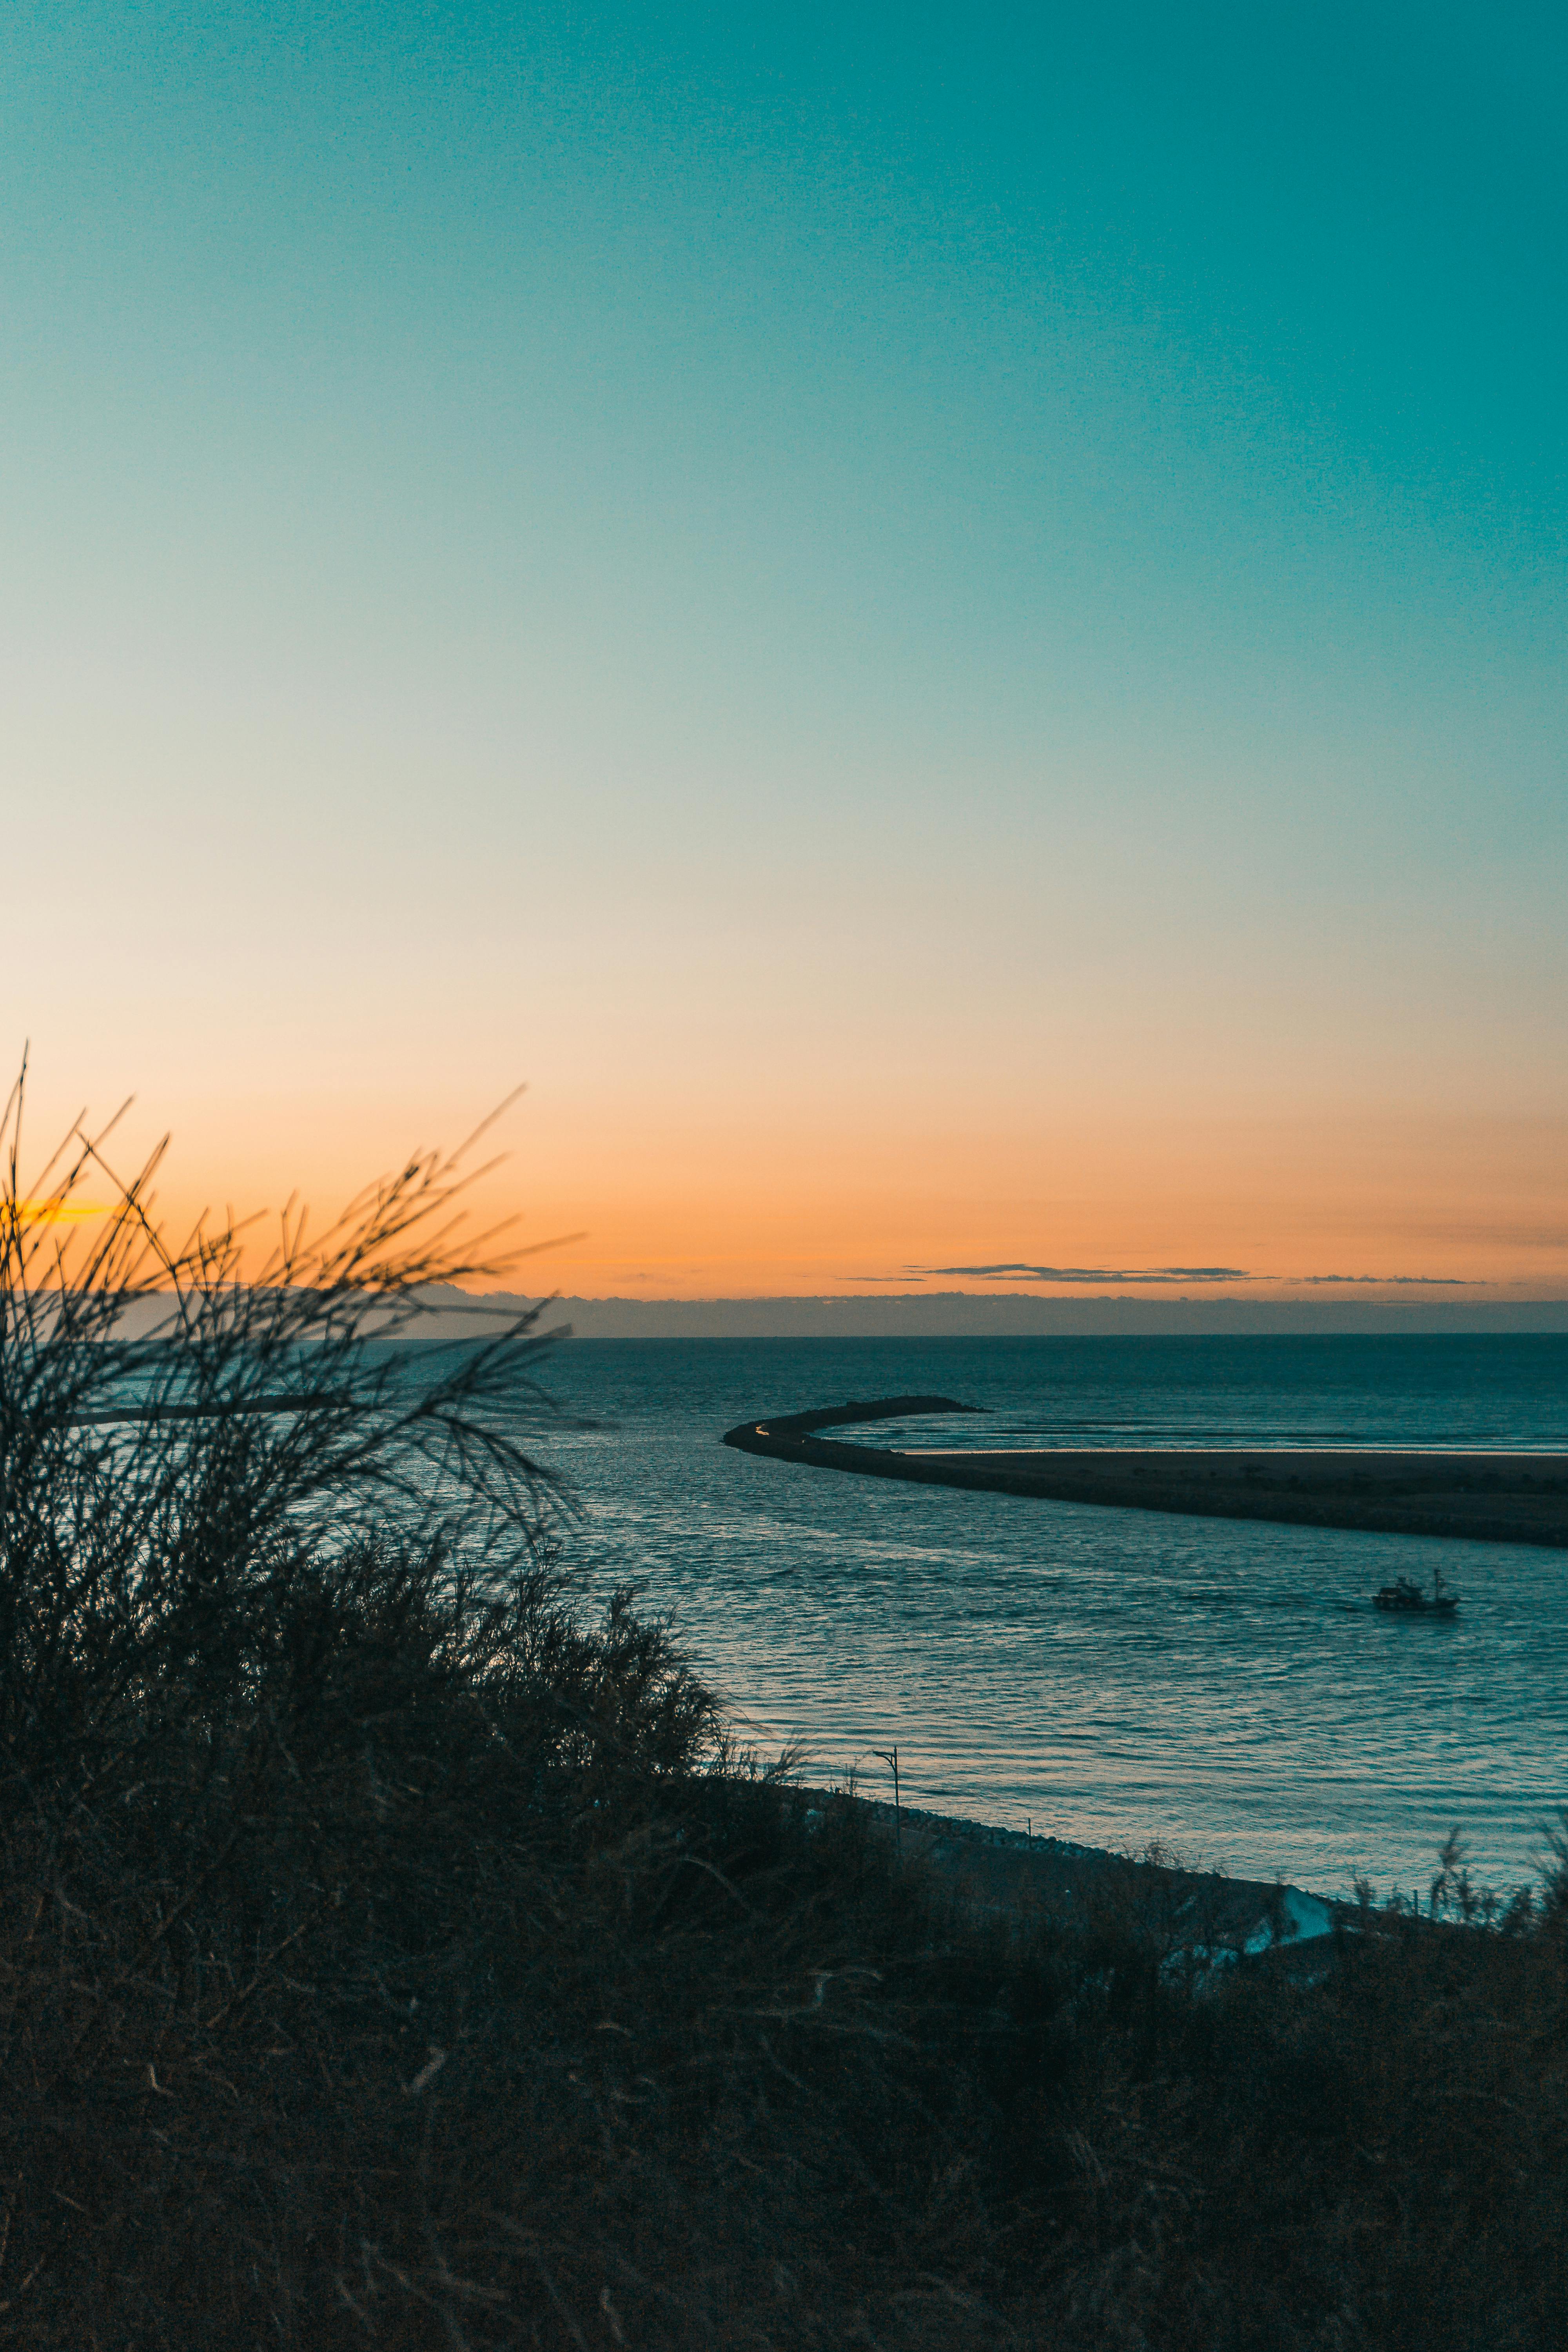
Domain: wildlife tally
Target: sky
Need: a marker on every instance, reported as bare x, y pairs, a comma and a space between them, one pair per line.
944, 628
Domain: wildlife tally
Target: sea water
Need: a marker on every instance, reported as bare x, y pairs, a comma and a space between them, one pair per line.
1112, 1677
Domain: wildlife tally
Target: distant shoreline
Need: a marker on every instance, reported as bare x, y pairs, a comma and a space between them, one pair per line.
964, 1314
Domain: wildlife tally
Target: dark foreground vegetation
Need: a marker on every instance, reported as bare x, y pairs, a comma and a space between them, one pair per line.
390, 1955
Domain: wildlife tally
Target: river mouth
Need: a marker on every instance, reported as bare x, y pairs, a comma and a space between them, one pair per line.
1122, 1675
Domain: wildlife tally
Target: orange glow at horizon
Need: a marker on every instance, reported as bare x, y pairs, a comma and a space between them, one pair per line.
603, 1207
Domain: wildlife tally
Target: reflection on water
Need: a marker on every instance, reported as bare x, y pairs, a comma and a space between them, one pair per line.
1114, 1676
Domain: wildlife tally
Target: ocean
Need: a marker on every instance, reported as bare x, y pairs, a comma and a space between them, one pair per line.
1115, 1678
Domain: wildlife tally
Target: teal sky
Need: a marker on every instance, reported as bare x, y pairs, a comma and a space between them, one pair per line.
1023, 547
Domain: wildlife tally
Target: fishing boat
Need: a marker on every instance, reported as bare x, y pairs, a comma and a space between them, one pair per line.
1408, 1599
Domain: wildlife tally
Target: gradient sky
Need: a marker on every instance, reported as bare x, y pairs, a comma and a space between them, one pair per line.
945, 627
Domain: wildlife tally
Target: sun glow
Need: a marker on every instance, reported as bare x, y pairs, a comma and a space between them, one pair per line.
54, 1212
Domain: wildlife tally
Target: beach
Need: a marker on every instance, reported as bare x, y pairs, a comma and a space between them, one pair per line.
1010, 1875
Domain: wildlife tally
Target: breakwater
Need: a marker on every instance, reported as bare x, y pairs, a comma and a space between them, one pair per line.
1480, 1496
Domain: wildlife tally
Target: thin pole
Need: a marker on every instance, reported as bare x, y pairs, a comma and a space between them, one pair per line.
891, 1756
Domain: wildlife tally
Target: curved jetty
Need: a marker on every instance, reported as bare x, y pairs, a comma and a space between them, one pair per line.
1484, 1498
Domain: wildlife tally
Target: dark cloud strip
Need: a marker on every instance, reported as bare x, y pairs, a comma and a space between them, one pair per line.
1099, 1273
1389, 1281
1129, 1278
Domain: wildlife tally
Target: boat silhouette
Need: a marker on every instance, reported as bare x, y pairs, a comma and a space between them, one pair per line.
1406, 1598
